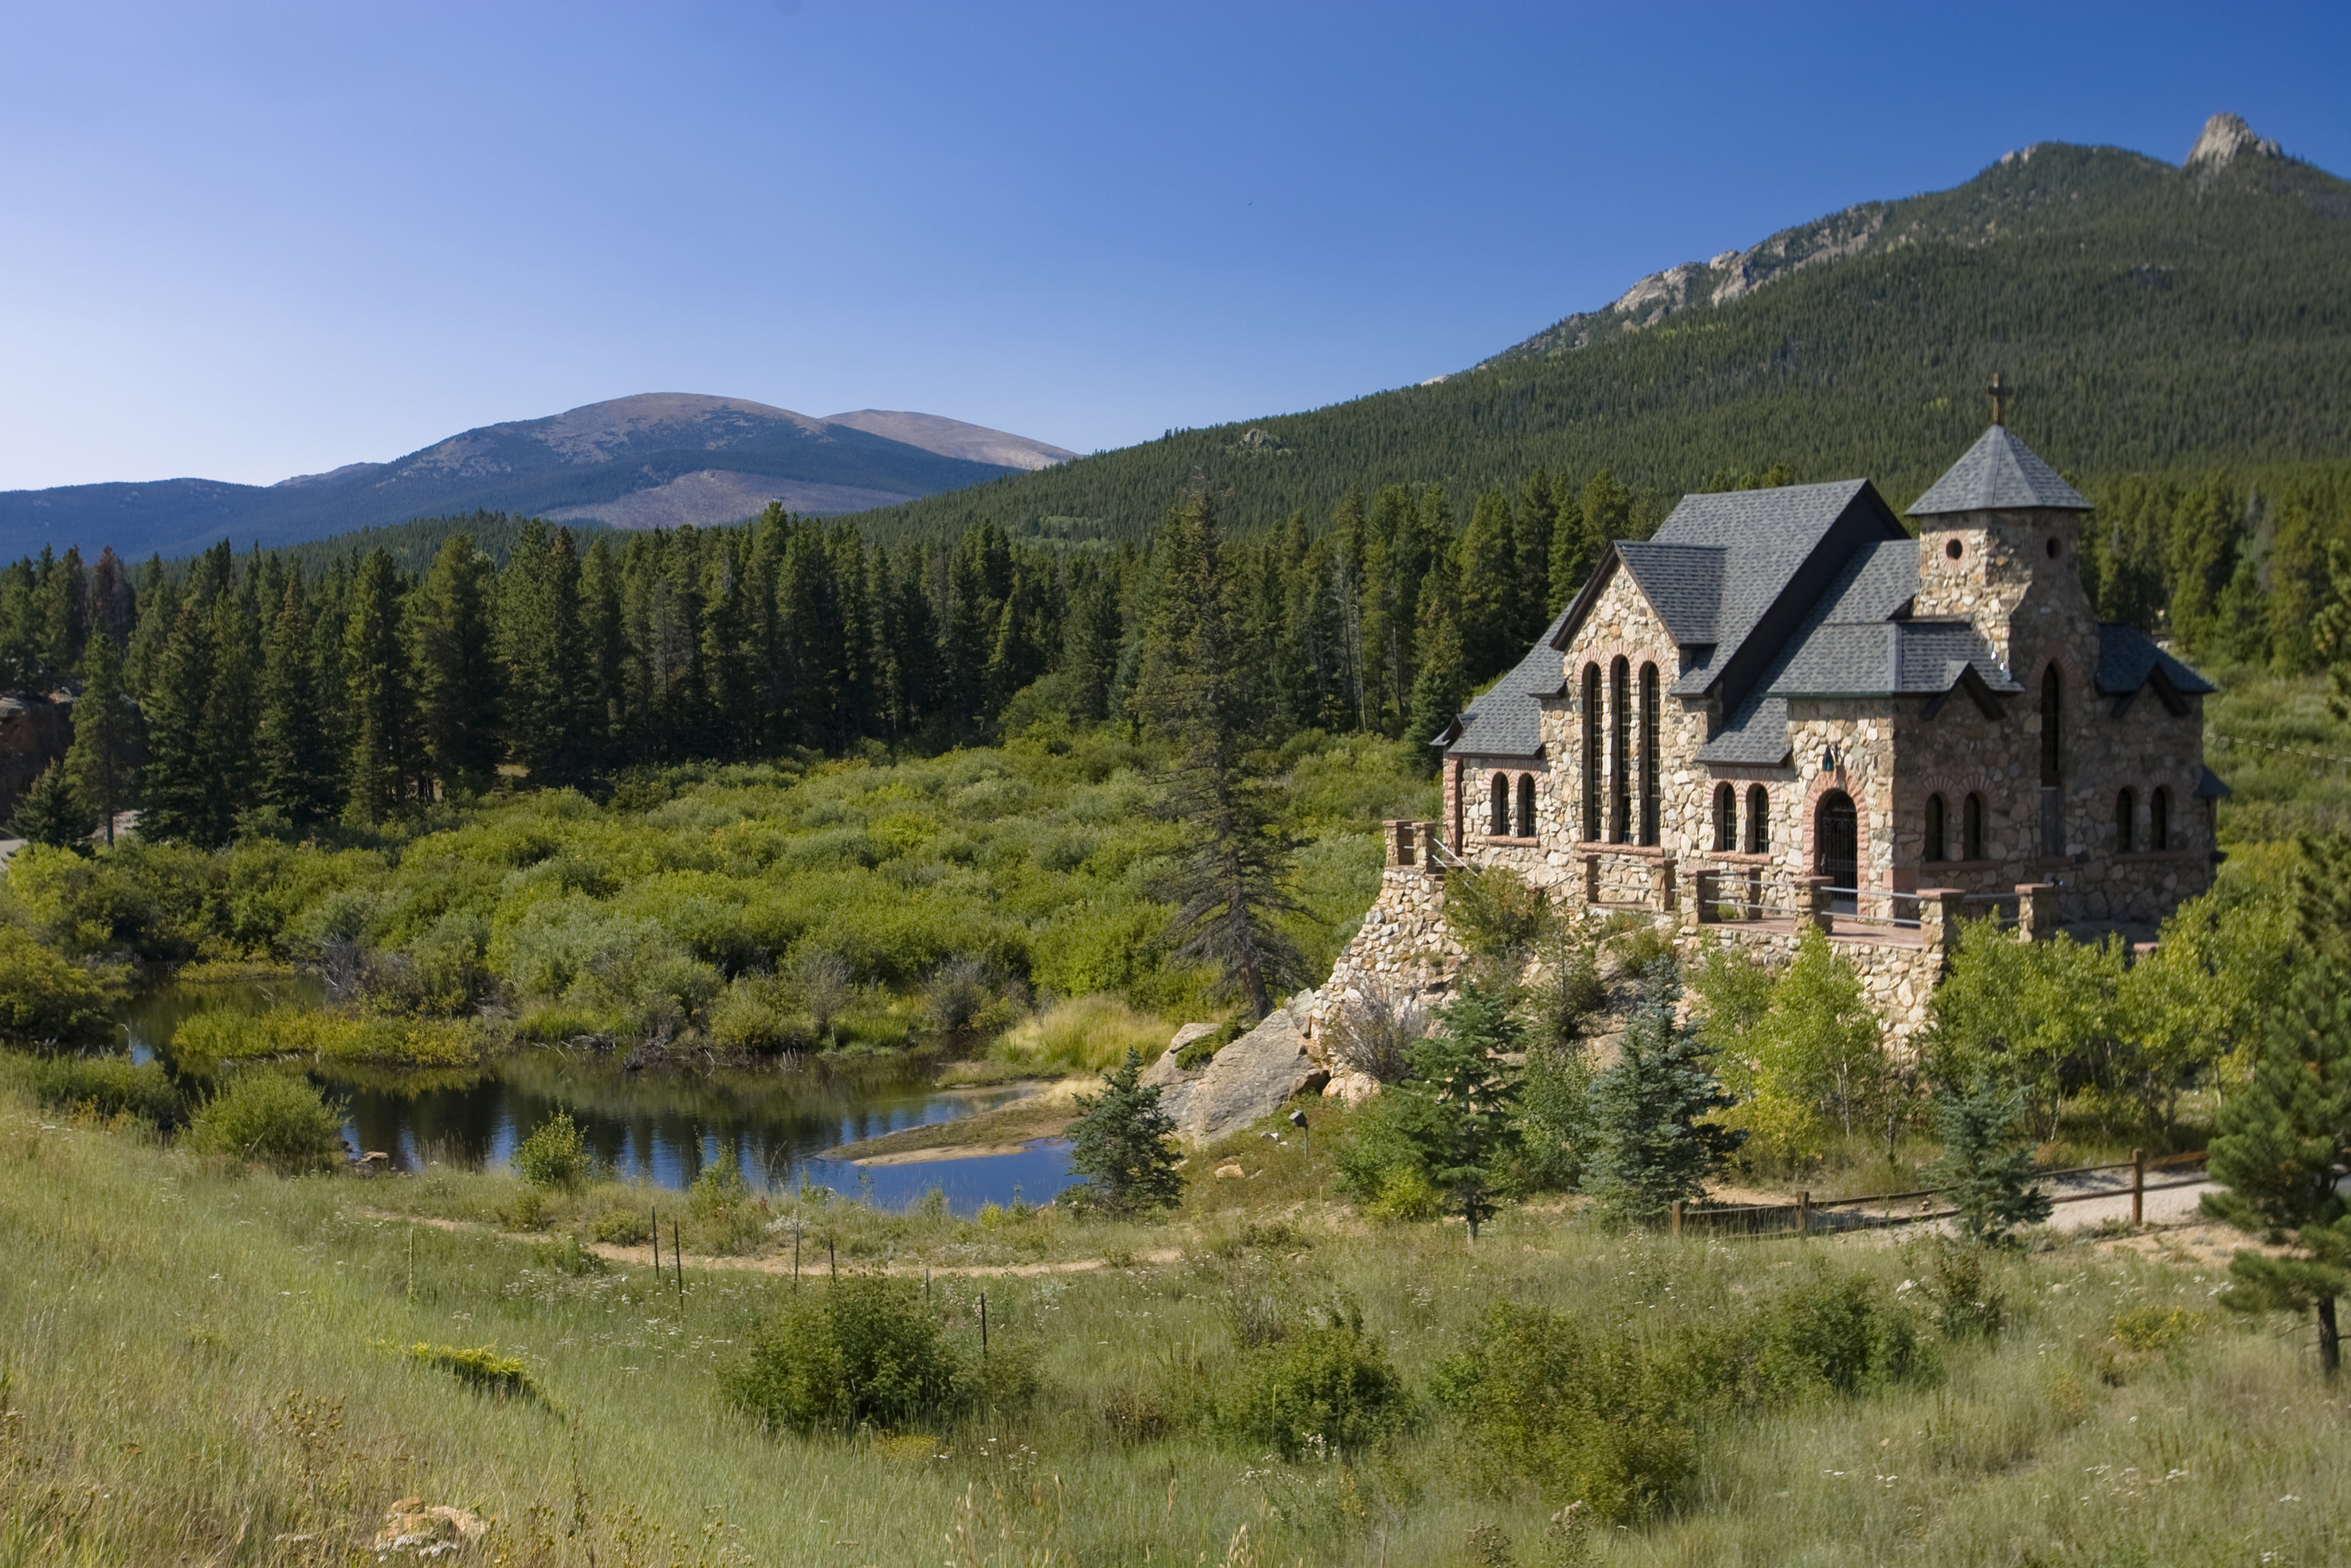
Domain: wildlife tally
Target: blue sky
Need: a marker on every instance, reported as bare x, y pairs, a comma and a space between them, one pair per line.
245, 241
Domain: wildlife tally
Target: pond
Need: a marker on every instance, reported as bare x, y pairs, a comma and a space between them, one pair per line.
661, 1127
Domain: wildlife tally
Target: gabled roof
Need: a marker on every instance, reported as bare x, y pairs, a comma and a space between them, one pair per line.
1999, 473
2127, 657
1506, 719
1683, 585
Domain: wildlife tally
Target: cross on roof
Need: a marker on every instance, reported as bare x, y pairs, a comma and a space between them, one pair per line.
2000, 393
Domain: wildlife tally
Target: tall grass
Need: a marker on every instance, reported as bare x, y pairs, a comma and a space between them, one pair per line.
201, 1368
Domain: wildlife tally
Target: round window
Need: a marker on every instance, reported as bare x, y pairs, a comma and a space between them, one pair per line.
1953, 549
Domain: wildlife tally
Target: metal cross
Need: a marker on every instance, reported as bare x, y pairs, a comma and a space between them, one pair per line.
2000, 393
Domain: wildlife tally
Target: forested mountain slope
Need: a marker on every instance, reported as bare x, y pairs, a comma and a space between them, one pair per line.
2156, 318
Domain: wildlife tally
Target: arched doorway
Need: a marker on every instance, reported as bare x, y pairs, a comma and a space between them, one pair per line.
1836, 847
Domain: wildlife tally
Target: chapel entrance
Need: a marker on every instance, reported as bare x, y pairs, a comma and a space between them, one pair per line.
1837, 841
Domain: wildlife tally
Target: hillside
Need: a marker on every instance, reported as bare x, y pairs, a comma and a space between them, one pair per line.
654, 460
2156, 318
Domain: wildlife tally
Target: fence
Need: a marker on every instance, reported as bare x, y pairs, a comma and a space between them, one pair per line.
1805, 1217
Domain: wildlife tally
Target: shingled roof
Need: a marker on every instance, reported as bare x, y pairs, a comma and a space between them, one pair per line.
1506, 719
1999, 473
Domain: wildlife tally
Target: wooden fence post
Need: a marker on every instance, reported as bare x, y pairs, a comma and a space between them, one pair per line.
2138, 1187
1678, 1218
1804, 1213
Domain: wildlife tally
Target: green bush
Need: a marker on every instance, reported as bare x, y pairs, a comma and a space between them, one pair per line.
480, 1368
109, 1085
45, 998
1494, 912
554, 1155
863, 1349
269, 1118
1324, 1391
621, 1227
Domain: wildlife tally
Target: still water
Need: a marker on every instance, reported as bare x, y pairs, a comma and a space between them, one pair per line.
658, 1127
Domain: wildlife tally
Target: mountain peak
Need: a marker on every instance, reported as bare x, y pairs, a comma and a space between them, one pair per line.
2225, 136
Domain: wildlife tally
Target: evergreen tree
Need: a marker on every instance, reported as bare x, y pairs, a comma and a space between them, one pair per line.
1471, 1094
53, 812
1489, 601
1987, 1160
1653, 1137
1441, 683
232, 712
113, 603
2283, 1139
183, 797
381, 757
1538, 517
1121, 1143
299, 776
1227, 885
451, 657
603, 660
541, 677
64, 608
105, 732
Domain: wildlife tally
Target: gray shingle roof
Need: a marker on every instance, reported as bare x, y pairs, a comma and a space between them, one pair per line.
1998, 473
1755, 736
1506, 719
1683, 583
2127, 657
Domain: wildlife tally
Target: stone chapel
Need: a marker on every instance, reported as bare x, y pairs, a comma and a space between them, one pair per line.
1786, 708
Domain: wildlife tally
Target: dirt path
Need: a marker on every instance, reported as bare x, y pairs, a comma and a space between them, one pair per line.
780, 1263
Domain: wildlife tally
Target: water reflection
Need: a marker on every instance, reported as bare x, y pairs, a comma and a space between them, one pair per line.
659, 1128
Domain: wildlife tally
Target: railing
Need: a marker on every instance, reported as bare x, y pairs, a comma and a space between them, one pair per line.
1805, 1216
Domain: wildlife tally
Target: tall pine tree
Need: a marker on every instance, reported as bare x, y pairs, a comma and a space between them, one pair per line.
452, 656
105, 732
299, 776
382, 759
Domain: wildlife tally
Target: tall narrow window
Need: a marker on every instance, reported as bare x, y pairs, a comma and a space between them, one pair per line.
2052, 700
1526, 805
1652, 796
2159, 819
1726, 817
1594, 753
2126, 822
1971, 836
1936, 839
1620, 745
1759, 820
1498, 815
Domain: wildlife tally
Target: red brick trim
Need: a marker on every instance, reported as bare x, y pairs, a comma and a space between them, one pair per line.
1807, 825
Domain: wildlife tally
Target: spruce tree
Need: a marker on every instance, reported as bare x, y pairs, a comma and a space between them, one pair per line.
2281, 1140
53, 812
1472, 1093
1228, 882
1653, 1137
541, 676
105, 731
381, 700
182, 797
1489, 608
1440, 684
1537, 516
300, 778
233, 713
1986, 1161
1574, 552
451, 657
1120, 1142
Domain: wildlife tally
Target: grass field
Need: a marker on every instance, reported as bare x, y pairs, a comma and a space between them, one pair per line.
200, 1366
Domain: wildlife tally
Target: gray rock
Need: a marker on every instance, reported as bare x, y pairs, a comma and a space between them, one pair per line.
1253, 1077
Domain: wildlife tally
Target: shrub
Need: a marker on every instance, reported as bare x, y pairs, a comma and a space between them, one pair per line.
1406, 1194
45, 998
862, 1350
268, 1118
1120, 1142
554, 1155
1842, 1330
1375, 1035
1966, 1295
1493, 913
480, 1368
1324, 1390
621, 1227
719, 1187
107, 1085
755, 1014
212, 1040
1082, 1034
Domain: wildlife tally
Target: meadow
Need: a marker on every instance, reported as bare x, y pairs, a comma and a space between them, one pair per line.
200, 1365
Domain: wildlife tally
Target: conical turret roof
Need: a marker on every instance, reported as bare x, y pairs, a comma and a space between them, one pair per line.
1999, 473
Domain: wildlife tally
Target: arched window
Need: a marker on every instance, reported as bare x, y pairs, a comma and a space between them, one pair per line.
1595, 745
1759, 820
1526, 805
1972, 828
1497, 816
2159, 818
2126, 822
1726, 817
1837, 846
1620, 746
1937, 839
1652, 796
2052, 700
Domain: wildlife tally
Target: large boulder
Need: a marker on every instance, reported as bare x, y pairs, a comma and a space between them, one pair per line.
1250, 1079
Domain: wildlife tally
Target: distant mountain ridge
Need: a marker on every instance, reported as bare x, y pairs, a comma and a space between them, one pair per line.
657, 459
2154, 317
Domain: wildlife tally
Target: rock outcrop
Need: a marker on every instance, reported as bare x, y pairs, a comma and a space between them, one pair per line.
1245, 1082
